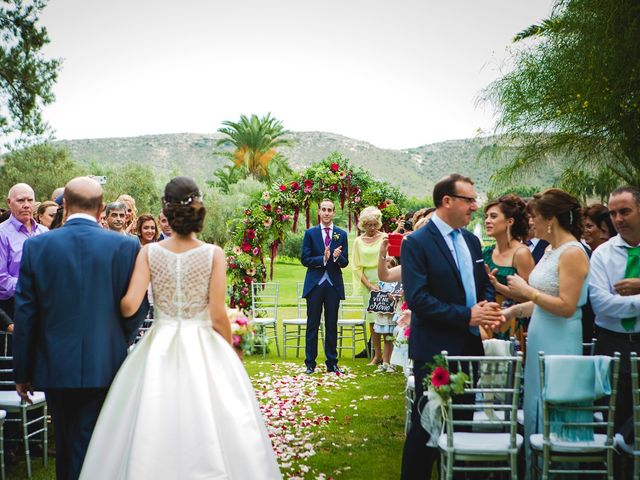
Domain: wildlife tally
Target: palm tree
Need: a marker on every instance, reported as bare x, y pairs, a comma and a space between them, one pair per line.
255, 140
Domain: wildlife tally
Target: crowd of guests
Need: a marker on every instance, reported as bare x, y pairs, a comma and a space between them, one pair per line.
25, 218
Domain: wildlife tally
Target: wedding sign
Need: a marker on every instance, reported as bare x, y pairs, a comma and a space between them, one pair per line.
384, 300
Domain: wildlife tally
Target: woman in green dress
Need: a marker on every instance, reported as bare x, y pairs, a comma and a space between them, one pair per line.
506, 220
365, 267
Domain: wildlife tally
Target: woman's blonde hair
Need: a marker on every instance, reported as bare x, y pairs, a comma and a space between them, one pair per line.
370, 214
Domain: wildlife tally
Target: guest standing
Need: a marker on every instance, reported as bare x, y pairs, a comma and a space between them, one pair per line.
614, 289
13, 233
597, 226
325, 254
365, 268
46, 212
507, 221
557, 288
147, 229
449, 294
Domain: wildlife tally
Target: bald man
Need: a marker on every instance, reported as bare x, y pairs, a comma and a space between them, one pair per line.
70, 338
13, 233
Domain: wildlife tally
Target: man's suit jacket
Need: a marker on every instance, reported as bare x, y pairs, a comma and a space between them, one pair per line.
313, 258
69, 332
435, 294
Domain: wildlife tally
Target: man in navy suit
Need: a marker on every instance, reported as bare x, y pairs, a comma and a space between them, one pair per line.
449, 294
70, 338
324, 253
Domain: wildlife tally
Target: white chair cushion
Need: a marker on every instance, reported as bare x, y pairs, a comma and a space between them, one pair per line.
294, 321
520, 417
11, 399
3, 414
618, 441
350, 323
264, 321
598, 444
479, 443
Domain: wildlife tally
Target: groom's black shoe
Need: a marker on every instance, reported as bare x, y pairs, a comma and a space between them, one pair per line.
334, 369
309, 371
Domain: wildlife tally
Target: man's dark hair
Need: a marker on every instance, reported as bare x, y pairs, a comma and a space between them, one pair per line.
73, 200
447, 186
628, 189
114, 206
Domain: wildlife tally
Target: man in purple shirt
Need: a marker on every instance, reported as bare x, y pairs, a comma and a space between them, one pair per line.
13, 233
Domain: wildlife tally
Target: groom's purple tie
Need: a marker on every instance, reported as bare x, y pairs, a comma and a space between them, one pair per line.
327, 239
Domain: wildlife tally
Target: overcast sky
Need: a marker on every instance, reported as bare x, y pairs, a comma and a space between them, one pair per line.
398, 74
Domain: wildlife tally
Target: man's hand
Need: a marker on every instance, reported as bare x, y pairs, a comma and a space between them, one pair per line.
337, 252
24, 389
486, 314
327, 254
628, 286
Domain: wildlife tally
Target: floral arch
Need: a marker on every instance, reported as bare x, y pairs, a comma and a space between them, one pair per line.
264, 222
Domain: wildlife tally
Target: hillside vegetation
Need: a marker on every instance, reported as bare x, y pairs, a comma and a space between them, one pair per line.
413, 170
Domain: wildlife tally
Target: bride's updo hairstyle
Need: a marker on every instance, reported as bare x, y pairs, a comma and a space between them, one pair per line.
562, 205
183, 207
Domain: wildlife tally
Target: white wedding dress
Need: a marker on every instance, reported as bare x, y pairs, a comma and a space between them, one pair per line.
181, 405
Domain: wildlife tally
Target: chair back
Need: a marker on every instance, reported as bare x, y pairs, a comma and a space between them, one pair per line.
589, 348
6, 362
352, 307
264, 299
302, 302
494, 382
635, 395
573, 419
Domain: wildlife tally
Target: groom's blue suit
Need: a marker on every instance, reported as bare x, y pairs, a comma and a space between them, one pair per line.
323, 294
69, 337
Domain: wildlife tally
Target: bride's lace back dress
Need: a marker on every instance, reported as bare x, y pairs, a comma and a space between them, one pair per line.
182, 405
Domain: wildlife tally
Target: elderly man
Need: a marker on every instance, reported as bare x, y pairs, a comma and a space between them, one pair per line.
614, 290
116, 213
13, 233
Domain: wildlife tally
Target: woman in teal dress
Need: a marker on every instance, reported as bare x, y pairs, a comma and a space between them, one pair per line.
507, 221
364, 263
557, 289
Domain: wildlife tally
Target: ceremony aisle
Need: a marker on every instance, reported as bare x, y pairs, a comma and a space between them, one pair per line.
323, 426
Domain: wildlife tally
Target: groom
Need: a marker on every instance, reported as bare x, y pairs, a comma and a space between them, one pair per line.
69, 337
324, 253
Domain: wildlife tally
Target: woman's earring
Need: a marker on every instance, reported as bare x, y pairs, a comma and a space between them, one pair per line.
549, 228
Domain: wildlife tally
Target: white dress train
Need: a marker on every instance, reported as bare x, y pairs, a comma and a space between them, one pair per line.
182, 405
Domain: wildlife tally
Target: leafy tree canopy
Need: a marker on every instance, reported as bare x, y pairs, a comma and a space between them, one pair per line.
26, 76
44, 167
574, 91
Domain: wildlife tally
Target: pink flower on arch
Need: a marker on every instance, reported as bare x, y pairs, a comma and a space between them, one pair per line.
295, 186
246, 247
283, 188
251, 234
255, 251
335, 167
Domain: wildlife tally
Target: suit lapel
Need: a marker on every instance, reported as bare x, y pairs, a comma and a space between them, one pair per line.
320, 237
444, 249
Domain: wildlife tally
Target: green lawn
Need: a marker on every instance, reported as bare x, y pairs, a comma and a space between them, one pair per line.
360, 416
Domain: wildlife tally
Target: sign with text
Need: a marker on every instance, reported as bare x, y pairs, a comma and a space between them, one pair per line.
382, 302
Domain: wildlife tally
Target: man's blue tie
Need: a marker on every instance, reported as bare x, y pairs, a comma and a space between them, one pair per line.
466, 273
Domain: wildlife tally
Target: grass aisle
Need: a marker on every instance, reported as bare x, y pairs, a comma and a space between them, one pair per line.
326, 426
323, 426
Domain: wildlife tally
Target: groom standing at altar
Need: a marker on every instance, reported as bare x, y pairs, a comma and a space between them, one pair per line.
324, 253
69, 337
449, 294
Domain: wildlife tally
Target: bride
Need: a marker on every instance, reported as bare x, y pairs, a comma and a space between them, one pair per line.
182, 405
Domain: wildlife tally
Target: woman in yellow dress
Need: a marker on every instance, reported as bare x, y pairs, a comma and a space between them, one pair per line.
365, 267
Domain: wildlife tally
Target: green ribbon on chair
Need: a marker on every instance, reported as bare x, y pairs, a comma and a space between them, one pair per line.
632, 271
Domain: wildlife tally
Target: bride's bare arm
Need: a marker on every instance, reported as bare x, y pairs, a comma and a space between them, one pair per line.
138, 285
217, 290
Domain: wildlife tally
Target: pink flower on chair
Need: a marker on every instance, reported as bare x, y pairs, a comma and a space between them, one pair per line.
440, 377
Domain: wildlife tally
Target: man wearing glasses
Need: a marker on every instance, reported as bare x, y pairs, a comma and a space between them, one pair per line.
449, 294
